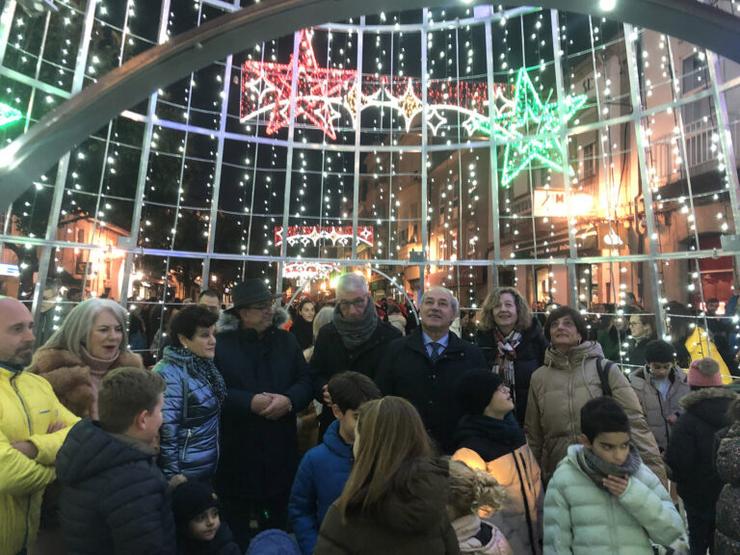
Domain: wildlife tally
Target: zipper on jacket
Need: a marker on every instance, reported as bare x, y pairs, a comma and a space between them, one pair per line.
185, 445
30, 432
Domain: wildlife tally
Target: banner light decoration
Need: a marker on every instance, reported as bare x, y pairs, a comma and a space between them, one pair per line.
338, 235
9, 115
323, 92
306, 271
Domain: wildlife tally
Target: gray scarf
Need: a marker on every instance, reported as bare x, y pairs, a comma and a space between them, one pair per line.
355, 333
597, 468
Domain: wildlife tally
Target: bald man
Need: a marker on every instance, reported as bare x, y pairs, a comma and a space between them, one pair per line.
425, 366
33, 425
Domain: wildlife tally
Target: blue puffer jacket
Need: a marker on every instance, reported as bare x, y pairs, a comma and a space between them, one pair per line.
189, 432
318, 483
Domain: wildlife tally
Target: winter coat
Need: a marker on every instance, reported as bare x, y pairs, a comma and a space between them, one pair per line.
690, 452
222, 544
558, 391
410, 522
114, 497
28, 407
259, 456
319, 481
636, 351
273, 542
727, 531
480, 538
303, 331
498, 447
330, 357
699, 345
530, 354
70, 378
583, 518
188, 438
656, 409
407, 371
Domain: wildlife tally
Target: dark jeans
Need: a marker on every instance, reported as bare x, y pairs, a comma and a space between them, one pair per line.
701, 530
239, 511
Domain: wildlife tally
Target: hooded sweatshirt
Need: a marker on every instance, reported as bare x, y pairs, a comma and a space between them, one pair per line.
410, 520
558, 391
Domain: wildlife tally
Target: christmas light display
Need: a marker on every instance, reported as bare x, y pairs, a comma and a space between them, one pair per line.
9, 115
338, 235
303, 272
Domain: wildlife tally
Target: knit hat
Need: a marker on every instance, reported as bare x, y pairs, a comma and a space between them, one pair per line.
191, 498
475, 389
659, 351
704, 372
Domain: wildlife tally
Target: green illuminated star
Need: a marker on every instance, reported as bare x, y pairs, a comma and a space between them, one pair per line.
9, 115
540, 124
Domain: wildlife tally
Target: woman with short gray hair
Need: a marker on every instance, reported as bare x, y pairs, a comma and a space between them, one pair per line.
92, 340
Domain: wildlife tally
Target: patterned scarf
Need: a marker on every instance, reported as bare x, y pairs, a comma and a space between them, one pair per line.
597, 468
356, 332
505, 357
203, 369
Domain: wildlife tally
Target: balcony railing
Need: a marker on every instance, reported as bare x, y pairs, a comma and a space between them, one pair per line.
701, 152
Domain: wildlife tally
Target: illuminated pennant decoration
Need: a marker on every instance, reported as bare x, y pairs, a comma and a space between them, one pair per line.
9, 115
338, 235
306, 271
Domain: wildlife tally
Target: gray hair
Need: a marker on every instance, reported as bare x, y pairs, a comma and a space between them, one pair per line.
453, 301
323, 317
75, 330
352, 282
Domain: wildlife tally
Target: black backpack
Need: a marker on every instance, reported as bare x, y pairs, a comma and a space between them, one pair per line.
603, 372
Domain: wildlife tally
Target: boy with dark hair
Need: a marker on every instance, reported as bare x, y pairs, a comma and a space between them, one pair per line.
114, 497
602, 498
325, 468
660, 385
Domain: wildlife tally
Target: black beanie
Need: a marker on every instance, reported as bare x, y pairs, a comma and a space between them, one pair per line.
191, 498
475, 389
658, 350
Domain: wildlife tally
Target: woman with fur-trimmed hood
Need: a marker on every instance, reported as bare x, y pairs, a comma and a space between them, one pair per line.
92, 340
690, 450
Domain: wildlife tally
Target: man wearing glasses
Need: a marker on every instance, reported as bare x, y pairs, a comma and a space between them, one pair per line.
355, 339
267, 382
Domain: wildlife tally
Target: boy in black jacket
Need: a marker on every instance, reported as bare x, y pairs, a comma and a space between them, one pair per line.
114, 497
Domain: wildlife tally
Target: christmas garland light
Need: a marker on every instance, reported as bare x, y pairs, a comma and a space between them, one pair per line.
338, 235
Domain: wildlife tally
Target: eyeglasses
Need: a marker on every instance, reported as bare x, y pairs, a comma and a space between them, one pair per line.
357, 303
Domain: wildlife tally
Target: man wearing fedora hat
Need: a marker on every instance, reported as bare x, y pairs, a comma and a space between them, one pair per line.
268, 382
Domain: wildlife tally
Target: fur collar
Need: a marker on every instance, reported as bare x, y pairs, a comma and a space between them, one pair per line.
707, 393
46, 360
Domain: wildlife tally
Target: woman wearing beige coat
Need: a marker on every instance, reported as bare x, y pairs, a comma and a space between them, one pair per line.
567, 381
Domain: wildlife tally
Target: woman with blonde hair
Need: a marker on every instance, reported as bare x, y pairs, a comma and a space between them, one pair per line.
395, 498
92, 340
474, 493
512, 342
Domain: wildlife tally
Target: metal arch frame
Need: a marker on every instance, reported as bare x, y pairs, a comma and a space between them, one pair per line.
31, 154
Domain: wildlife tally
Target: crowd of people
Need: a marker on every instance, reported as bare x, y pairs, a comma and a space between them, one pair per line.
350, 428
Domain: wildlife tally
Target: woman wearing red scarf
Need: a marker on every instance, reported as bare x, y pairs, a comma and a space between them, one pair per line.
512, 342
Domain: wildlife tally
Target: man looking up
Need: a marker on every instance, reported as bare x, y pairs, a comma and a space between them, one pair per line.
425, 366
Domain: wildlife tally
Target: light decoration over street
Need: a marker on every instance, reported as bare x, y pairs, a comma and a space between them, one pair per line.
529, 127
338, 235
303, 272
9, 115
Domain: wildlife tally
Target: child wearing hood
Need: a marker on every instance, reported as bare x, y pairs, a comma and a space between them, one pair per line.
199, 527
489, 439
471, 492
602, 497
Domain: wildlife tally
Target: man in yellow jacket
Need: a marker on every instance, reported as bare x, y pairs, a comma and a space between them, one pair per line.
33, 425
